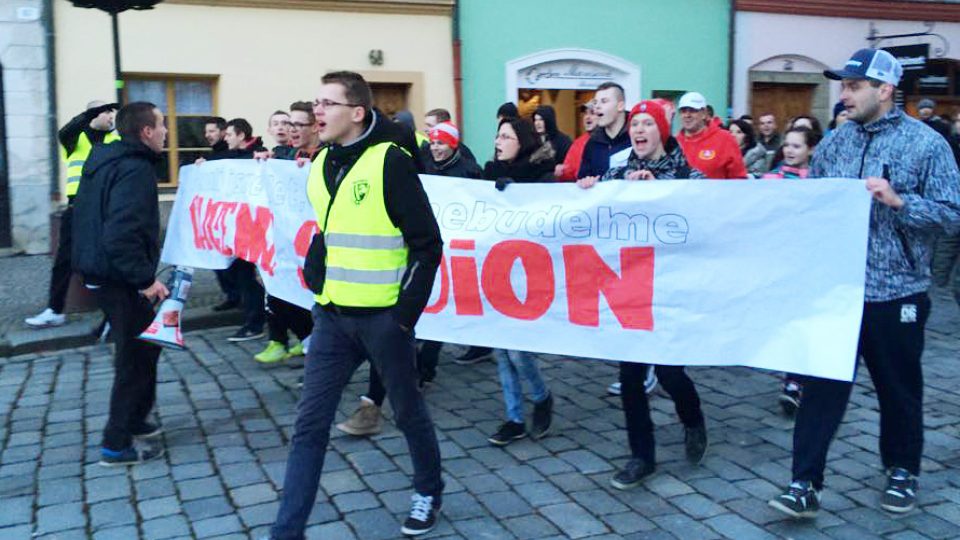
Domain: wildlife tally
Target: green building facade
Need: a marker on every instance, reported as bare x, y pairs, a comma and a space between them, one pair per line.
558, 51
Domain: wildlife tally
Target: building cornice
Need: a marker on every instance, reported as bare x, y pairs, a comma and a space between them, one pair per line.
404, 7
858, 9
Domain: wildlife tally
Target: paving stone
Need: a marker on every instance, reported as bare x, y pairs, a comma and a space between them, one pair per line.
103, 489
60, 517
159, 507
482, 529
628, 522
504, 504
199, 488
360, 500
261, 514
16, 510
217, 526
154, 488
61, 490
375, 524
734, 526
207, 508
240, 474
191, 470
111, 514
573, 520
337, 529
683, 526
165, 527
255, 494
529, 527
540, 494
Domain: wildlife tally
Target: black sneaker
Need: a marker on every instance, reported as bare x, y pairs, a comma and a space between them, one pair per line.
632, 474
246, 334
147, 430
226, 305
542, 417
474, 355
423, 516
800, 500
790, 398
130, 456
508, 432
695, 443
900, 496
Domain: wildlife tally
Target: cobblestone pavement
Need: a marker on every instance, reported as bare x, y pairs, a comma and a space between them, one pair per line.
228, 421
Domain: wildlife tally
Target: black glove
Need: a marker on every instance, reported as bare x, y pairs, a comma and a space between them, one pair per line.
96, 111
502, 183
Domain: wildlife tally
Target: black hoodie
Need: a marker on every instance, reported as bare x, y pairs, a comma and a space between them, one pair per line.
407, 206
116, 216
557, 139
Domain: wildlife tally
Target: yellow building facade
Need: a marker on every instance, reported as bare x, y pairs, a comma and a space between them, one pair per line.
235, 58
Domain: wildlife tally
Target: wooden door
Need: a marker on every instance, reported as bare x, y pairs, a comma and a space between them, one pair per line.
390, 98
783, 100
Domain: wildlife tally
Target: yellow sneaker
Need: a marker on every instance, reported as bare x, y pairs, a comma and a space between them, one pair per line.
275, 352
296, 350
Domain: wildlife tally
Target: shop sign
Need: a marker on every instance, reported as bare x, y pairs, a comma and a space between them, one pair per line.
567, 74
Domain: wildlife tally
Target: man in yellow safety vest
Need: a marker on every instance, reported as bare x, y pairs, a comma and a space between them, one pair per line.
77, 138
372, 268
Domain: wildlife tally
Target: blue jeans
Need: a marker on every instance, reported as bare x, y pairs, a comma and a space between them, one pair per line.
512, 365
338, 345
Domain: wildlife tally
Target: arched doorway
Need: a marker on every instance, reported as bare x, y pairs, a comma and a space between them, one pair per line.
6, 238
789, 85
566, 79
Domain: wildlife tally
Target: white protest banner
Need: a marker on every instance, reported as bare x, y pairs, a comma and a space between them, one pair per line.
760, 273
257, 211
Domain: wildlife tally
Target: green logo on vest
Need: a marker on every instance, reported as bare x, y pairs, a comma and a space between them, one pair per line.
360, 189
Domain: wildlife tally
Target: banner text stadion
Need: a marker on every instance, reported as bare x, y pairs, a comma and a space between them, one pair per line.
467, 276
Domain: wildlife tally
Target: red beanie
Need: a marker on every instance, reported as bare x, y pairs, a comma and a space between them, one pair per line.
656, 111
447, 133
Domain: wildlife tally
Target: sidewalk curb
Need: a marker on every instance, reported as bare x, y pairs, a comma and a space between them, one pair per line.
194, 319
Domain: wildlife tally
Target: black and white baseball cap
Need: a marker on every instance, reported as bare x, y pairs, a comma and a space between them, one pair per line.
874, 64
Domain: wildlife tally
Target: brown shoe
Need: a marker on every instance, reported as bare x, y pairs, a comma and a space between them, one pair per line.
364, 421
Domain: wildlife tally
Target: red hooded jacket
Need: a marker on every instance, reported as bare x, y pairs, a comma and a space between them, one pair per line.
714, 152
571, 164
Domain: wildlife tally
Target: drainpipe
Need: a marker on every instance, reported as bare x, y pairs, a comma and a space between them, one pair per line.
52, 100
731, 41
457, 66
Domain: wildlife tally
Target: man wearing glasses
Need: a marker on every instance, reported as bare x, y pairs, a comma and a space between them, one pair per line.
282, 316
372, 270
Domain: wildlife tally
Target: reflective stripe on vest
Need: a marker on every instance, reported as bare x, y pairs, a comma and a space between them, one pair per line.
365, 253
79, 156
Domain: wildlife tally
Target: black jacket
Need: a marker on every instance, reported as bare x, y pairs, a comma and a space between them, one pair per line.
116, 216
246, 151
599, 148
408, 209
459, 165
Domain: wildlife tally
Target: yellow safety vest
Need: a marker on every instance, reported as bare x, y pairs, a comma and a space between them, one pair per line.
79, 156
366, 256
421, 138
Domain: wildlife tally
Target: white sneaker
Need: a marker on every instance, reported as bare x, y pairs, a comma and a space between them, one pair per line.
649, 383
45, 319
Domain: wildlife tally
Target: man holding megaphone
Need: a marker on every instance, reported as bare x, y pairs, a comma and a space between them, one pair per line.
116, 230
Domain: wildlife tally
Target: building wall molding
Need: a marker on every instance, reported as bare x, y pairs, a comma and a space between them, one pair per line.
858, 9
404, 7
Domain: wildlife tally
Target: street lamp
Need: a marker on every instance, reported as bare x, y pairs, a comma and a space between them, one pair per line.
113, 7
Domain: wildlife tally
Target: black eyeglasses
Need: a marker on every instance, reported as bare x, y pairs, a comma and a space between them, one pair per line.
326, 103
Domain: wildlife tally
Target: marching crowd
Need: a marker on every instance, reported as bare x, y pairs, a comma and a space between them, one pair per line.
372, 267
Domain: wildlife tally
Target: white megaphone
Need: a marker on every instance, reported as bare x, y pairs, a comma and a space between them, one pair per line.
165, 328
